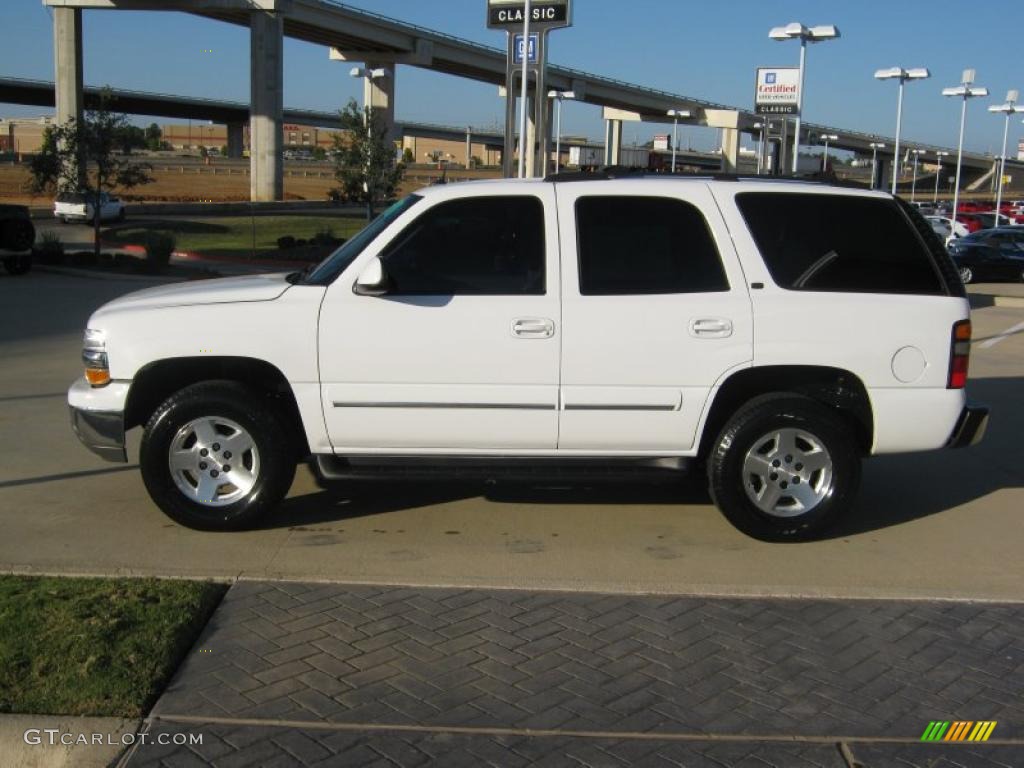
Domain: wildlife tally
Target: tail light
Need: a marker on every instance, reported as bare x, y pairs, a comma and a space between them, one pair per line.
960, 354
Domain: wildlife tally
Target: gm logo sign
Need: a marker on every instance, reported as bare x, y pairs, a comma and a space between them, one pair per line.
769, 78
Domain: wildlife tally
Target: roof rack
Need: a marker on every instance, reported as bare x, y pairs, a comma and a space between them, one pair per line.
623, 172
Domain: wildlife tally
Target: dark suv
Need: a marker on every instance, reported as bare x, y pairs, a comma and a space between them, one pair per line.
17, 236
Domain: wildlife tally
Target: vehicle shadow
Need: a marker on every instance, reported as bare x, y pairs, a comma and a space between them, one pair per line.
896, 489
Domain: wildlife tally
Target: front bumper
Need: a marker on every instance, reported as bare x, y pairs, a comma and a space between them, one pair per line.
970, 427
97, 416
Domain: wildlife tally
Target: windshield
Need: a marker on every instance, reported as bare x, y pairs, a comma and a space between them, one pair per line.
335, 264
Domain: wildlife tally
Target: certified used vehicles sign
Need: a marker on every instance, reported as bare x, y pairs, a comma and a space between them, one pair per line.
777, 91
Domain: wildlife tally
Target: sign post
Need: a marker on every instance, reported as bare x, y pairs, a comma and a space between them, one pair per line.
544, 15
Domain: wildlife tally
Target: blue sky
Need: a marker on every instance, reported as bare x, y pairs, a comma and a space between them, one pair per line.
701, 49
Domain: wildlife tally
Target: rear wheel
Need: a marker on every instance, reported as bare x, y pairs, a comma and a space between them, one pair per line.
214, 456
18, 265
785, 467
966, 274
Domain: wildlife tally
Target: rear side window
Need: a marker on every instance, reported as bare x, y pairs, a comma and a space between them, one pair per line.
473, 246
631, 245
839, 243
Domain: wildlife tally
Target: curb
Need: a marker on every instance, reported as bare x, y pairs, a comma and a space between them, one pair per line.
95, 275
1015, 302
16, 731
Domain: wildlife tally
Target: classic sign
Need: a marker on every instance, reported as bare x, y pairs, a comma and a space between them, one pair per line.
544, 14
777, 91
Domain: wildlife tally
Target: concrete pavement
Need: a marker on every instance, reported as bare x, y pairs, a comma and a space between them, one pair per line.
940, 525
308, 674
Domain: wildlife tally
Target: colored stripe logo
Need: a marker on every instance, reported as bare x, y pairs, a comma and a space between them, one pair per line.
958, 730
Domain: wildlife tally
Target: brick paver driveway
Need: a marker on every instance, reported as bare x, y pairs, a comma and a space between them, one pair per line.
290, 673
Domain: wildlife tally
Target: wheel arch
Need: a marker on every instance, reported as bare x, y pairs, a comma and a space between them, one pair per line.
836, 388
158, 380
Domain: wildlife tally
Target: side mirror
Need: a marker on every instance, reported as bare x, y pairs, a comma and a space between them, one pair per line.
373, 280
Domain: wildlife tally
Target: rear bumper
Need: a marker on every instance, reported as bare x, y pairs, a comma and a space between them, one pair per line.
970, 427
97, 416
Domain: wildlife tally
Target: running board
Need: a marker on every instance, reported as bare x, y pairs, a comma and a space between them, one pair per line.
329, 468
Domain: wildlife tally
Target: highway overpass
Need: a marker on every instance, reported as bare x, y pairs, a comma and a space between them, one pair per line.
357, 35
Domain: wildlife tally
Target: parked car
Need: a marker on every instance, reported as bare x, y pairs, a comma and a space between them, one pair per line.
81, 206
970, 206
972, 221
990, 254
989, 220
580, 326
17, 236
945, 228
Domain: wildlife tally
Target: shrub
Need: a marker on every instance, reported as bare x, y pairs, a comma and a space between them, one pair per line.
324, 237
159, 247
285, 242
49, 249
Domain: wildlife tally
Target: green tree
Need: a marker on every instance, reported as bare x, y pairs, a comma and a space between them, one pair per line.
365, 164
153, 136
83, 157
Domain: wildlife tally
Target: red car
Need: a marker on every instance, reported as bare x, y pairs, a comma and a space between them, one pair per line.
970, 206
973, 223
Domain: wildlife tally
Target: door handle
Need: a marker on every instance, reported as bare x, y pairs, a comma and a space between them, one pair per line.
533, 328
711, 327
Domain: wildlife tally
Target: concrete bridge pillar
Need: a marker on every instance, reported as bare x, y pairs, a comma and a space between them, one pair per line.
730, 150
613, 142
67, 67
266, 106
878, 177
236, 139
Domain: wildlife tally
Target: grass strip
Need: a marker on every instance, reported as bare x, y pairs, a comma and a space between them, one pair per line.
84, 646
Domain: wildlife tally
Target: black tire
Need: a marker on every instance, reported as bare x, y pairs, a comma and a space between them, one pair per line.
966, 274
253, 411
18, 265
18, 235
755, 419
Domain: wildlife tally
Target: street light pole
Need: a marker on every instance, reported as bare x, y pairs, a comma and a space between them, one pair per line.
522, 92
902, 75
965, 92
760, 145
559, 96
817, 34
939, 154
913, 184
1007, 109
875, 146
675, 114
824, 160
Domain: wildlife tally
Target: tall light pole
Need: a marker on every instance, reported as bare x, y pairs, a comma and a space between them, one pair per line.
1007, 109
902, 75
939, 154
559, 97
913, 184
826, 137
875, 146
522, 92
675, 114
964, 91
760, 145
797, 31
370, 75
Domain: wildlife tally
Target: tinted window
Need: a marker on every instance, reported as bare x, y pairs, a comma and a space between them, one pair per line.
645, 245
483, 245
838, 243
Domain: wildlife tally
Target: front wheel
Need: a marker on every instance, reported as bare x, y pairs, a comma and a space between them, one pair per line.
784, 467
213, 456
966, 275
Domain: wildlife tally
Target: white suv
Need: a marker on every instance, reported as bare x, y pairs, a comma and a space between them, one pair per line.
774, 332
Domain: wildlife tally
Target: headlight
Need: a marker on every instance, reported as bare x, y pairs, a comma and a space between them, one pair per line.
94, 355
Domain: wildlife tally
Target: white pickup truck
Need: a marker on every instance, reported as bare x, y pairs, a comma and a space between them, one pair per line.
81, 207
771, 332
